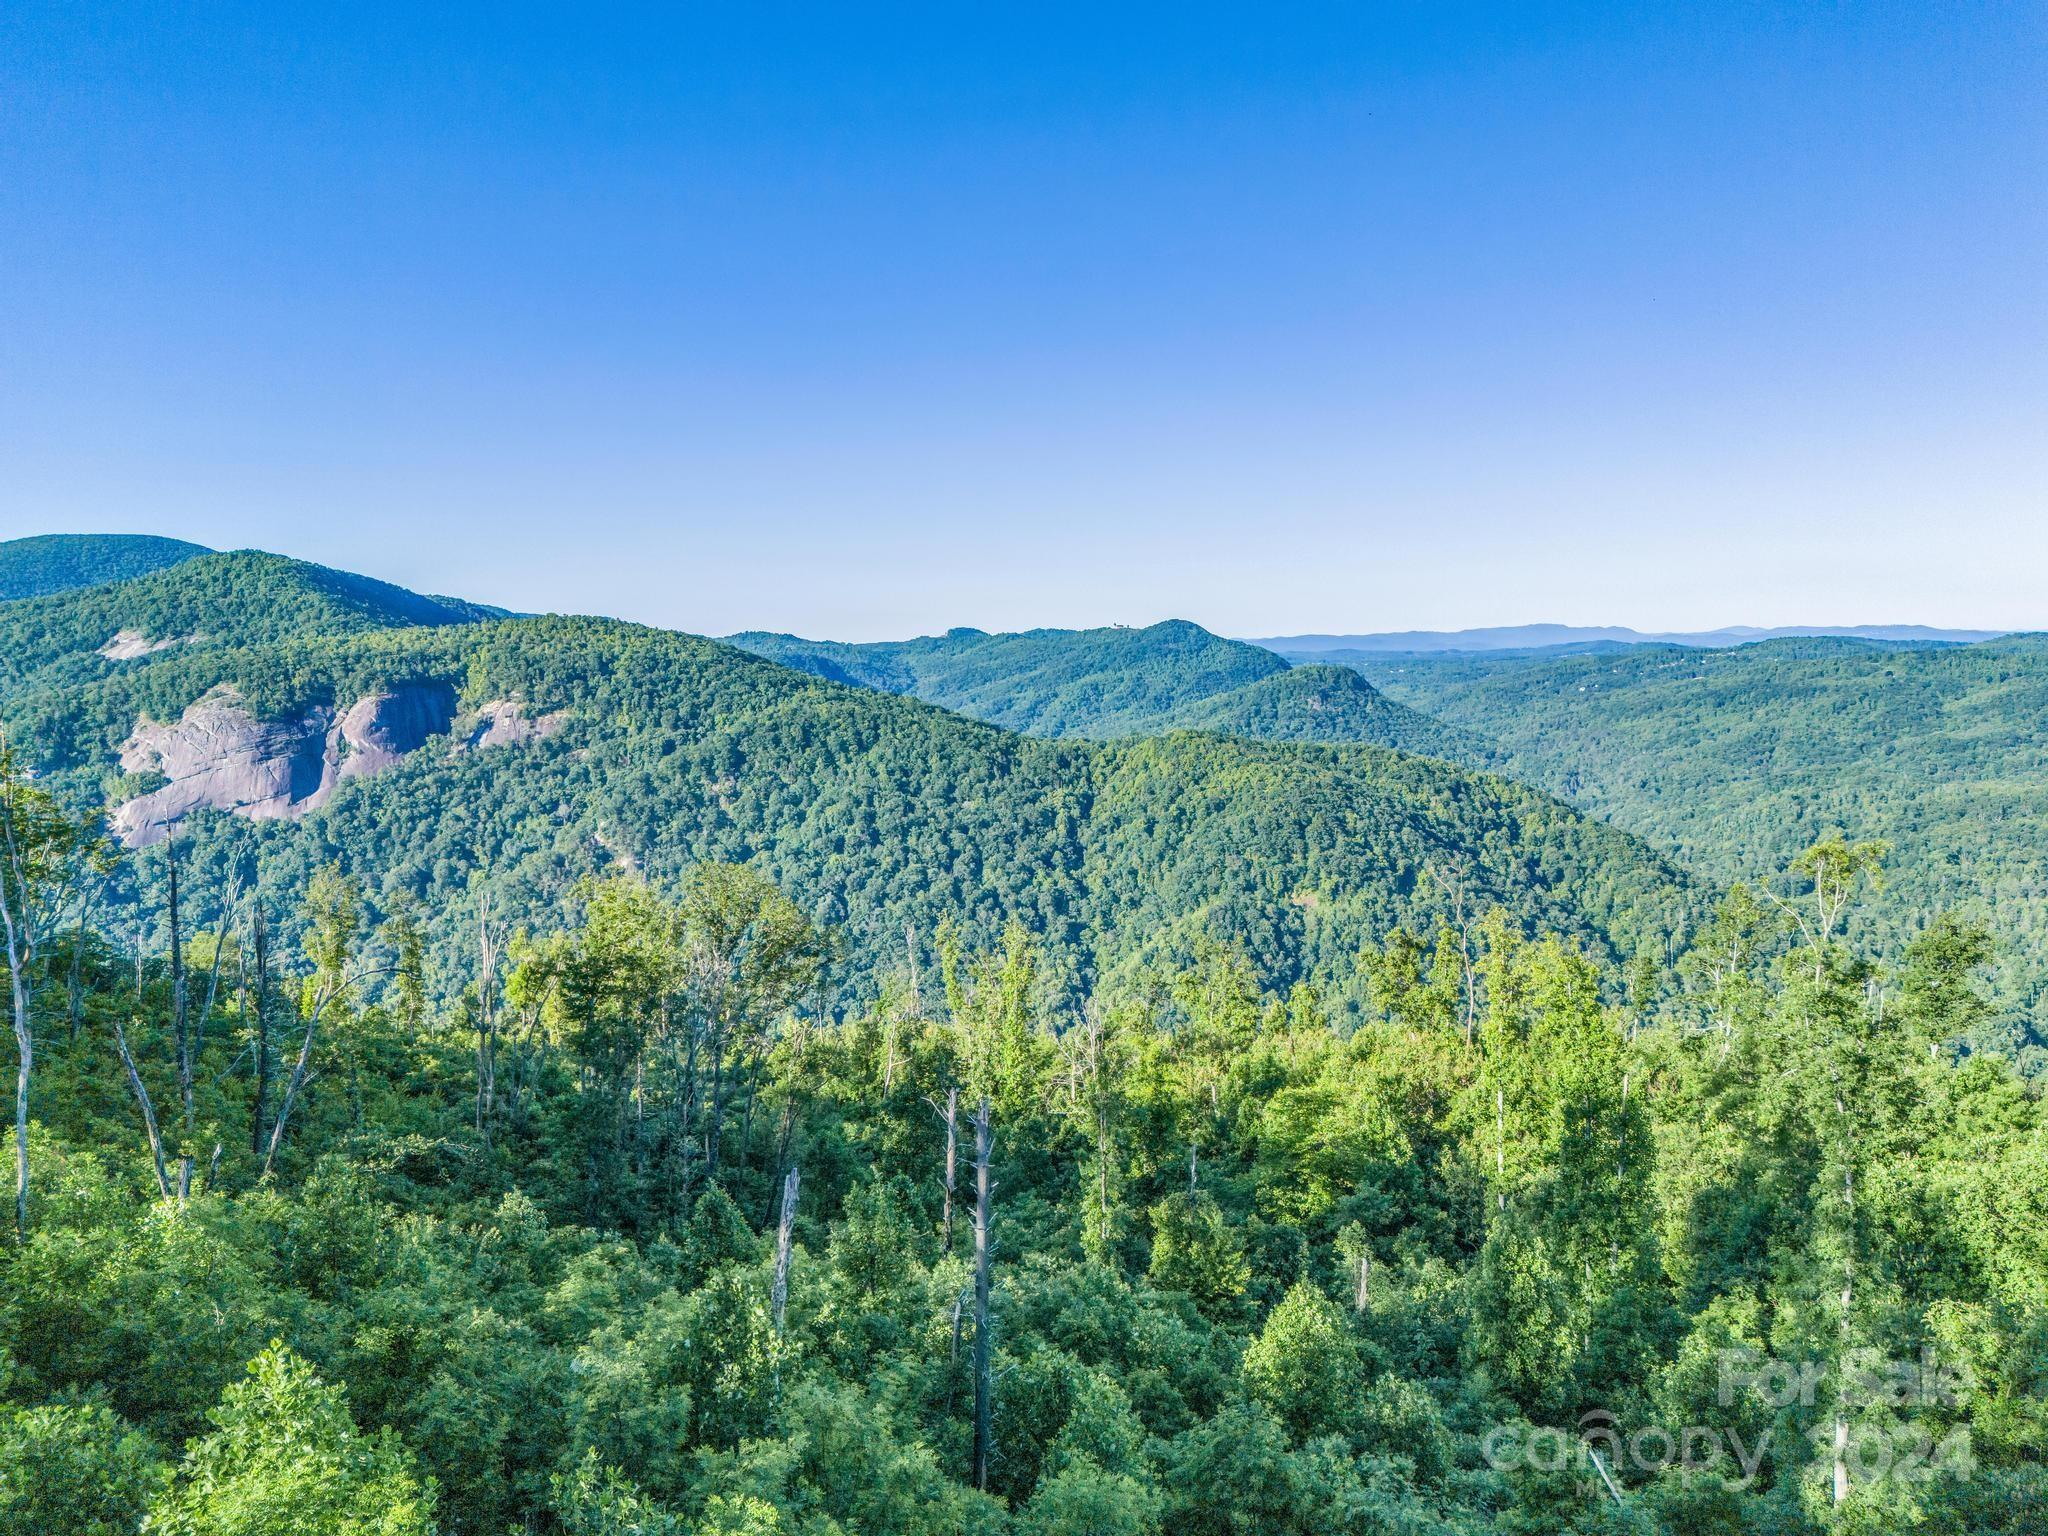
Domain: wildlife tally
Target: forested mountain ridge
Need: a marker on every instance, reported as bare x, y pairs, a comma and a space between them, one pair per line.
1117, 682
666, 750
1733, 759
239, 599
1313, 702
60, 562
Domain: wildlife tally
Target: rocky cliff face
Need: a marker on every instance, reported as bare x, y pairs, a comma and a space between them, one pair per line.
218, 756
505, 723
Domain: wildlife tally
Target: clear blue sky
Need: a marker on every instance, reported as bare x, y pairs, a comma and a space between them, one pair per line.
861, 320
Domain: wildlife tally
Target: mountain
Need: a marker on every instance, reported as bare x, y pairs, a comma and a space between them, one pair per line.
1526, 637
69, 638
1325, 703
1103, 684
59, 562
531, 752
1732, 760
1045, 682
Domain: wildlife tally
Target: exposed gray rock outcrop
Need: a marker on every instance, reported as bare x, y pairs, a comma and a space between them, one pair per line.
128, 644
504, 723
218, 756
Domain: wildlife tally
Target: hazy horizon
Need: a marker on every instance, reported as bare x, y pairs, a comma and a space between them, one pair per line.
1589, 629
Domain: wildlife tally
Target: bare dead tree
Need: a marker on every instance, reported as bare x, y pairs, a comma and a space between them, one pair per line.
1453, 884
910, 951
486, 1018
783, 1230
260, 938
142, 1101
181, 1043
295, 1085
984, 1189
39, 852
949, 1117
229, 906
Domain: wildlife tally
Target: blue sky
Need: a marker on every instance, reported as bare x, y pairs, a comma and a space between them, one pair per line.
864, 320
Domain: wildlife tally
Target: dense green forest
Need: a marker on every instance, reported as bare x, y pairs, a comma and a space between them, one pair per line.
1109, 683
1322, 703
1046, 682
59, 562
619, 1085
875, 811
638, 1232
1731, 760
207, 603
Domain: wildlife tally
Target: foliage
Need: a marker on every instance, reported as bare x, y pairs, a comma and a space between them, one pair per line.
62, 562
1735, 760
1349, 1111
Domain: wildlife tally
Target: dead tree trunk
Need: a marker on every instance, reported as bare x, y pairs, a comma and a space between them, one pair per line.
296, 1083
156, 1141
783, 1230
983, 1341
181, 1040
1364, 1279
292, 1086
717, 1127
74, 999
261, 938
220, 937
486, 1022
910, 951
951, 1118
21, 939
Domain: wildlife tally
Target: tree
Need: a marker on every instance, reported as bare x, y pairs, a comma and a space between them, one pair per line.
753, 953
74, 1470
984, 1339
1081, 1499
285, 1459
1196, 1251
334, 921
597, 1500
1834, 872
1306, 1365
41, 849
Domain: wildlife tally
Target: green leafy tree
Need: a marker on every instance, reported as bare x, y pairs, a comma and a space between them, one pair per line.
1306, 1365
74, 1470
286, 1459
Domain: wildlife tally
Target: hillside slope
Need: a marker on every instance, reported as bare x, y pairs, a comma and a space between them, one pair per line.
239, 599
1733, 760
1329, 704
877, 811
1044, 682
62, 562
1103, 684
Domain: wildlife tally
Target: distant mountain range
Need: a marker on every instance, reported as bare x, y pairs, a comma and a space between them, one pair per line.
1533, 637
1119, 682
